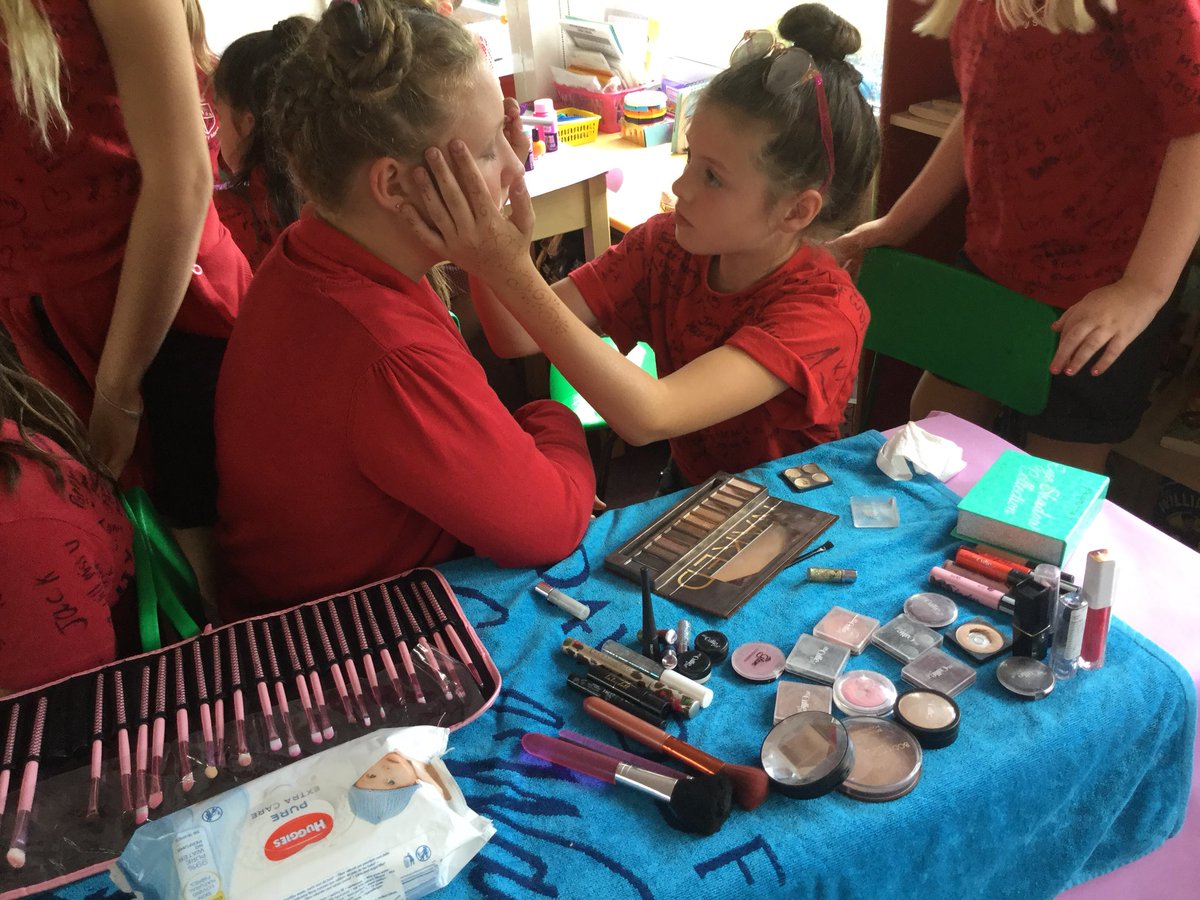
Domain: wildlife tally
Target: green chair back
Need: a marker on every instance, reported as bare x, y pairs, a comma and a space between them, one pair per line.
561, 390
960, 326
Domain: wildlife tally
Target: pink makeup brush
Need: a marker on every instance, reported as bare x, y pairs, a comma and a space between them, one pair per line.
314, 732
93, 808
20, 835
448, 627
159, 734
143, 749
206, 725
367, 661
239, 704
384, 655
123, 757
432, 631
697, 805
402, 645
10, 743
182, 729
314, 676
260, 686
218, 701
335, 670
427, 654
285, 714
348, 661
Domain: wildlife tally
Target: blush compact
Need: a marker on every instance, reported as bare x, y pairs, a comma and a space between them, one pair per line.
757, 661
862, 692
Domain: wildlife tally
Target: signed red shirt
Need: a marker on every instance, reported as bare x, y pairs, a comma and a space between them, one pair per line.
1064, 137
246, 211
65, 558
804, 322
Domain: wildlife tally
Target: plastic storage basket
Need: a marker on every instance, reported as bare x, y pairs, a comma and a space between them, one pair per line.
583, 129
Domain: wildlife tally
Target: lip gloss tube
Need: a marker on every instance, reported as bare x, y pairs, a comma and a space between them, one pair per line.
1099, 586
991, 566
285, 714
314, 731
206, 725
93, 807
20, 833
10, 744
977, 577
384, 654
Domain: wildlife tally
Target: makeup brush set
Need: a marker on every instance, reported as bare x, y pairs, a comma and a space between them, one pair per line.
98, 753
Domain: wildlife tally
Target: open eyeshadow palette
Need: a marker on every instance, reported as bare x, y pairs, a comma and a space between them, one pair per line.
152, 734
718, 545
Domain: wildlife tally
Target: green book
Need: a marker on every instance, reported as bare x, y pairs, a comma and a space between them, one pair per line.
1033, 507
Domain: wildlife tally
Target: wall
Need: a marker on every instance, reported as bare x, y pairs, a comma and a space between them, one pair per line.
227, 20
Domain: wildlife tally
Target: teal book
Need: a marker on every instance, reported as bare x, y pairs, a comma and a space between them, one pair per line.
1030, 506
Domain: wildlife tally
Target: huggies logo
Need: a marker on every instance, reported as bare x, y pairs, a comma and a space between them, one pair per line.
292, 837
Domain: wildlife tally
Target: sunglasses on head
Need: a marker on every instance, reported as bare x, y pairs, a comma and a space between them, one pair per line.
790, 67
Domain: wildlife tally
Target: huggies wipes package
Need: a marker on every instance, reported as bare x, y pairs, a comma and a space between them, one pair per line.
377, 817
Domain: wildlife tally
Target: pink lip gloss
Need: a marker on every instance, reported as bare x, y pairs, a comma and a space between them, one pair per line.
431, 625
285, 715
20, 835
143, 749
182, 730
260, 686
218, 702
423, 647
239, 707
377, 637
367, 661
206, 725
348, 661
159, 733
402, 645
314, 676
314, 732
334, 669
972, 590
10, 744
123, 757
93, 808
1099, 585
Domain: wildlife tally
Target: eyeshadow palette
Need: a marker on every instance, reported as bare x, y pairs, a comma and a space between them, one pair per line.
718, 545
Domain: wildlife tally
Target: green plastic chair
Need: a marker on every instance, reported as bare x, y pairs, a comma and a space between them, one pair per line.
958, 325
562, 391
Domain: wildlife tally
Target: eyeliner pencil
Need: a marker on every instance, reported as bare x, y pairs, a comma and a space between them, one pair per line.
93, 807
20, 836
314, 731
367, 661
285, 714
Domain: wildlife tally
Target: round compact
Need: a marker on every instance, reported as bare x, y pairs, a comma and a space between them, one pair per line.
932, 717
1026, 677
979, 637
807, 755
862, 692
714, 644
887, 760
694, 664
930, 609
757, 661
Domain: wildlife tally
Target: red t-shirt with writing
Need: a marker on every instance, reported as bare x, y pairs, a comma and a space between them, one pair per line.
1065, 135
804, 322
358, 437
65, 559
246, 211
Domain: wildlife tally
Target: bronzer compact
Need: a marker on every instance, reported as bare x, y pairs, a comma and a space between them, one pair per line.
718, 545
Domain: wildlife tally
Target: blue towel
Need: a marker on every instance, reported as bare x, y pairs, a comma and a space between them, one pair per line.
1033, 797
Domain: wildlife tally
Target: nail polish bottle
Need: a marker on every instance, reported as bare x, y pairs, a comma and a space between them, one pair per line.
539, 146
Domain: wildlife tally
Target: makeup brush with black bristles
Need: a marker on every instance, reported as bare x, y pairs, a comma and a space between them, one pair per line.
698, 805
750, 784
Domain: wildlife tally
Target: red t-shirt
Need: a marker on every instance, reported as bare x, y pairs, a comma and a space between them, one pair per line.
65, 212
804, 322
247, 212
1064, 138
357, 437
65, 558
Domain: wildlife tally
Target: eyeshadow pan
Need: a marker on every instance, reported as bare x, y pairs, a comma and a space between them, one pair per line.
904, 639
816, 659
938, 671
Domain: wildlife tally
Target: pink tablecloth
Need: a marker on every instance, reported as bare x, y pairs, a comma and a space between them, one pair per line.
1158, 593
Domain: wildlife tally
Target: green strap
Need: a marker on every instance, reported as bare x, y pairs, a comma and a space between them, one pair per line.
162, 573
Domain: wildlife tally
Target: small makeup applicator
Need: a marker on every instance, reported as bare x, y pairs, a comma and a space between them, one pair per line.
343, 646
368, 663
239, 704
697, 805
206, 723
649, 630
261, 688
158, 733
285, 713
123, 756
402, 645
314, 676
182, 731
314, 730
93, 807
377, 637
142, 761
29, 778
750, 784
10, 744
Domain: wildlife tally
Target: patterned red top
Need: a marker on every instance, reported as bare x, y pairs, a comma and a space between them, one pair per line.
804, 322
1064, 137
247, 212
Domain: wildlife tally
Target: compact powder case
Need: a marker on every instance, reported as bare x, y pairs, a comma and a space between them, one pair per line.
842, 626
887, 760
930, 609
816, 659
979, 639
757, 661
806, 477
1026, 677
932, 717
793, 697
904, 639
935, 670
863, 692
807, 755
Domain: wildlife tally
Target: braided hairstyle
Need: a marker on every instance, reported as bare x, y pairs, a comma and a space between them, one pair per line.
373, 78
793, 156
244, 78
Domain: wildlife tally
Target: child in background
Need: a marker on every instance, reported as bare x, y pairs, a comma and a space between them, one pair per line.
257, 200
117, 280
205, 61
65, 544
757, 332
1078, 144
356, 435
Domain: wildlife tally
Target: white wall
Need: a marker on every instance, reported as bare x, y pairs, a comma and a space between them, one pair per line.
227, 20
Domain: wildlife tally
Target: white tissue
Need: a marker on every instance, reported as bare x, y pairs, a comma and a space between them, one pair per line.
927, 453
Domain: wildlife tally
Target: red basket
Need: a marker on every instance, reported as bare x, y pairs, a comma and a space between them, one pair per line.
608, 107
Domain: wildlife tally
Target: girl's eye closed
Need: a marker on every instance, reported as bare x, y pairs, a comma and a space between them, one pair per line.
710, 178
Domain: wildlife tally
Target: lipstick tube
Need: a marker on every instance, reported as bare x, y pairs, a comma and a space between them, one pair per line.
972, 590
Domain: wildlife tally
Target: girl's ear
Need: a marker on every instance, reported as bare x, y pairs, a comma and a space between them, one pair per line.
385, 179
800, 210
243, 124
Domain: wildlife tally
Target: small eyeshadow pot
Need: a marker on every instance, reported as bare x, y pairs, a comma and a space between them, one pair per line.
979, 639
807, 755
845, 627
935, 670
930, 609
904, 639
714, 644
887, 760
1026, 677
816, 659
757, 661
694, 664
932, 717
863, 692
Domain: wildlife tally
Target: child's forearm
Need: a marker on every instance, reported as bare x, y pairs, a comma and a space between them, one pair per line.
939, 182
505, 335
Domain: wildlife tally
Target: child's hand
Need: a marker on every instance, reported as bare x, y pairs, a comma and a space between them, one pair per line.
848, 249
467, 227
514, 130
1108, 318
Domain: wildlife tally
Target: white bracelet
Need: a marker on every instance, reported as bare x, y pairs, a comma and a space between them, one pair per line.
135, 414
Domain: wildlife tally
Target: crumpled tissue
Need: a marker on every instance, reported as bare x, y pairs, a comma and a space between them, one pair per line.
927, 454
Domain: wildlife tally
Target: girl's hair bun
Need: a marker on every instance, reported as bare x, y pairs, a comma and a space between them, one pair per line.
369, 47
820, 31
291, 31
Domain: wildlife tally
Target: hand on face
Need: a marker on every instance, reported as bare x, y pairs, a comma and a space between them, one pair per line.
1108, 319
514, 130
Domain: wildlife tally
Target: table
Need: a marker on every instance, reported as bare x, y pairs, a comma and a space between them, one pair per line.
569, 191
1032, 798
